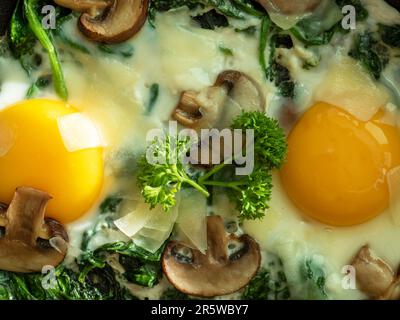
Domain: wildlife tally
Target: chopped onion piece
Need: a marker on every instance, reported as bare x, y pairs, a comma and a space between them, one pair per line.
393, 178
192, 219
152, 239
150, 244
148, 228
284, 21
349, 87
133, 222
152, 233
161, 220
79, 133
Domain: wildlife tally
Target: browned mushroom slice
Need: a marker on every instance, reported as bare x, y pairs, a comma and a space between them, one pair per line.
215, 106
202, 109
220, 271
84, 5
25, 241
289, 7
121, 21
374, 276
393, 292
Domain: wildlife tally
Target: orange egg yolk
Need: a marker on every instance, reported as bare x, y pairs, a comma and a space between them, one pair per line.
32, 153
336, 166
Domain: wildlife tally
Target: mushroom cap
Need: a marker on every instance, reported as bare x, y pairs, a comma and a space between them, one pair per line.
25, 245
216, 106
217, 272
374, 276
119, 22
84, 5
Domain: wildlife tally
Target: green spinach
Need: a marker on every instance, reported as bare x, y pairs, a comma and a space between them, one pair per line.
390, 35
373, 55
153, 96
211, 20
314, 277
41, 83
141, 267
269, 284
45, 38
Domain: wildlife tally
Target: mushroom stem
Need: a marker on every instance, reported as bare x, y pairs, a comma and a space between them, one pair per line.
215, 106
220, 271
374, 276
30, 241
25, 215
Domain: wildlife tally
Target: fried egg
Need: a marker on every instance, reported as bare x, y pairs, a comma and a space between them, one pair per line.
34, 154
337, 165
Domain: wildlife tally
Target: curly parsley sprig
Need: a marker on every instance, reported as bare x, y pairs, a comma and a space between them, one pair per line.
160, 182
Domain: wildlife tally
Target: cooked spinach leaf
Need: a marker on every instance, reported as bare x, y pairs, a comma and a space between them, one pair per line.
373, 55
280, 75
390, 35
22, 39
250, 31
97, 285
249, 8
276, 72
110, 204
125, 51
31, 9
227, 52
319, 27
229, 8
106, 220
282, 40
269, 284
103, 224
4, 46
314, 277
211, 20
262, 46
361, 12
309, 32
41, 83
143, 267
153, 96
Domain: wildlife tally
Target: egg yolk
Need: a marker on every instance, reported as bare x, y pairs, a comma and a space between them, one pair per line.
32, 153
336, 166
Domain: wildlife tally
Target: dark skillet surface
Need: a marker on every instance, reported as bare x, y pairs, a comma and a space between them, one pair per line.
6, 10
394, 3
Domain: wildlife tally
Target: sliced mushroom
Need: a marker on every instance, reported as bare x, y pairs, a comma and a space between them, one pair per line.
25, 241
289, 7
374, 276
229, 264
84, 5
109, 21
121, 21
215, 106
